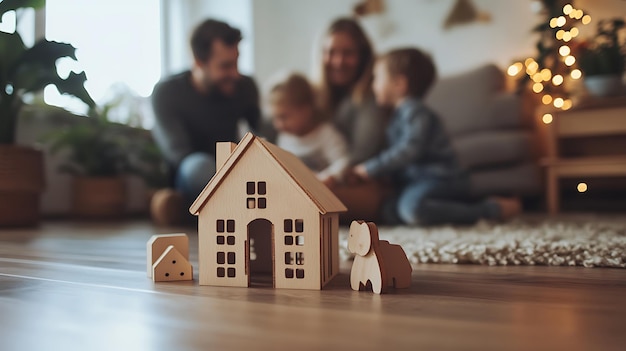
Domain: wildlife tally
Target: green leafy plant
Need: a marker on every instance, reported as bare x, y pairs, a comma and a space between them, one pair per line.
95, 146
28, 70
604, 54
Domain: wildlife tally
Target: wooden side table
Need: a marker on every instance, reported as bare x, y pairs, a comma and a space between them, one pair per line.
593, 118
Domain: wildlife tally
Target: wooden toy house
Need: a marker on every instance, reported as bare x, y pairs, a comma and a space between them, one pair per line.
266, 218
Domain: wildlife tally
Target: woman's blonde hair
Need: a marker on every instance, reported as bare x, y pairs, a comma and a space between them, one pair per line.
329, 96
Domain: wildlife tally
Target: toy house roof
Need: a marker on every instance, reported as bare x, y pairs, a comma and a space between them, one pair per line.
297, 171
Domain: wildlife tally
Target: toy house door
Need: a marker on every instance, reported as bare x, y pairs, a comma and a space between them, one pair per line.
260, 253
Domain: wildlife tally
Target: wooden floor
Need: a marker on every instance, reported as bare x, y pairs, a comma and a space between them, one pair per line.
83, 286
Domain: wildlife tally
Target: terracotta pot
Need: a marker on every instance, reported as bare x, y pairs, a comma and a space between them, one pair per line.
21, 185
99, 197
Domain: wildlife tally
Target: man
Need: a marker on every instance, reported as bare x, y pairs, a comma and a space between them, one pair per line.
197, 108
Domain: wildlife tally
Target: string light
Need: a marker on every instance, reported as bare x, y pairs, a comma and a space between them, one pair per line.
564, 50
514, 69
546, 99
560, 22
567, 104
537, 87
581, 187
532, 68
557, 80
547, 118
570, 60
586, 19
567, 36
578, 14
574, 32
558, 102
546, 74
559, 34
576, 74
567, 9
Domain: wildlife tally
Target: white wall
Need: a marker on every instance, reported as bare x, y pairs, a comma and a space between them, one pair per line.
286, 31
283, 35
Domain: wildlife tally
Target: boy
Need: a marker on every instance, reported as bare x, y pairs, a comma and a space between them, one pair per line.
303, 132
419, 157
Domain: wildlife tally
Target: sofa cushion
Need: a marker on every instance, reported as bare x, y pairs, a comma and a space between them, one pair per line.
492, 148
475, 101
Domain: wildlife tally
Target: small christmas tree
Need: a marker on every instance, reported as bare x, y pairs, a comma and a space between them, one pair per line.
555, 60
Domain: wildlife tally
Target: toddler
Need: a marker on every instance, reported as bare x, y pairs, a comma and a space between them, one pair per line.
431, 187
303, 132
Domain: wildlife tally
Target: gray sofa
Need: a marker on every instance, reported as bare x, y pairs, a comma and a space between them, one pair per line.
486, 126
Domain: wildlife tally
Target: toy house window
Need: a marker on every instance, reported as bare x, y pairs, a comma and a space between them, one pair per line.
288, 240
300, 258
220, 226
221, 272
288, 223
221, 258
288, 258
230, 240
300, 240
230, 225
221, 240
299, 226
300, 273
289, 273
256, 188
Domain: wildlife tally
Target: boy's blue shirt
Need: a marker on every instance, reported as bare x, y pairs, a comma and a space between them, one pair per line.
417, 146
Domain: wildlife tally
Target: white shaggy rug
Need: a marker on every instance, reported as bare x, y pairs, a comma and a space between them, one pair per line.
578, 241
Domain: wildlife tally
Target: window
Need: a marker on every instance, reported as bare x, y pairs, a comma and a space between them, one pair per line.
300, 240
256, 188
124, 59
299, 226
220, 226
288, 240
300, 258
228, 227
221, 240
288, 258
288, 223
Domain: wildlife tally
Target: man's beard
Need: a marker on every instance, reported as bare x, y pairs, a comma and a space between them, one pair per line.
217, 87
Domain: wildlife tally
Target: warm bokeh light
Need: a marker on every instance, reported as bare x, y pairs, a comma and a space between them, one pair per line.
576, 74
532, 68
553, 23
567, 104
567, 36
547, 118
557, 80
570, 60
537, 78
578, 14
558, 102
528, 61
574, 32
546, 99
546, 74
560, 22
559, 34
514, 69
581, 187
567, 9
537, 87
586, 19
564, 50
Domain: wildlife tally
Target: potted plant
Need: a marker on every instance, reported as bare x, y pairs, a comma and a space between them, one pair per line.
26, 70
98, 155
603, 59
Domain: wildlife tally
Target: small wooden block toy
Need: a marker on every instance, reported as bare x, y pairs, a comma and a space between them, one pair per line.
171, 266
160, 242
377, 261
265, 219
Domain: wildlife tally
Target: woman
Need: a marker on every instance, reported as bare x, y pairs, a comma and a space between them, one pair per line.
345, 94
345, 88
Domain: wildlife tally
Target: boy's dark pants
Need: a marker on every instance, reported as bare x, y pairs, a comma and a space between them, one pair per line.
430, 200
